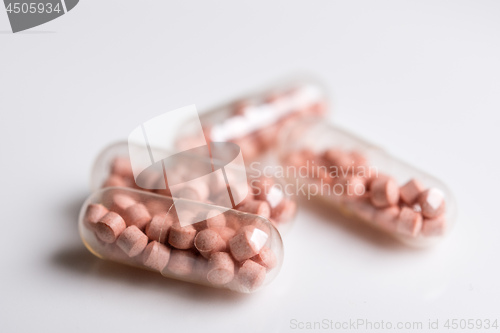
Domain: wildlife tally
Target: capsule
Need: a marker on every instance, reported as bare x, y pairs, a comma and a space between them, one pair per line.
242, 254
364, 182
266, 196
253, 121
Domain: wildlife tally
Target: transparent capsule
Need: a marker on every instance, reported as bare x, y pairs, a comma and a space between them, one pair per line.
364, 182
224, 249
253, 121
266, 195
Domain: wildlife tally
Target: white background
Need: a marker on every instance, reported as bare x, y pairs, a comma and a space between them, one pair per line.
421, 79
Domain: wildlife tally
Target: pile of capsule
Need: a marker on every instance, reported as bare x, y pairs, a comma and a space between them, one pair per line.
228, 249
240, 248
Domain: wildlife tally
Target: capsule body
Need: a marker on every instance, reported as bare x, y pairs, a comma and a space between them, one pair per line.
253, 121
265, 196
364, 182
227, 249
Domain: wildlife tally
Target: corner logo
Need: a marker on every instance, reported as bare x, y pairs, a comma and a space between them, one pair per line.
31, 13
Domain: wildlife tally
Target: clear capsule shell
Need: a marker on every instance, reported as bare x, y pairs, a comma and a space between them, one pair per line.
253, 121
225, 249
112, 168
363, 182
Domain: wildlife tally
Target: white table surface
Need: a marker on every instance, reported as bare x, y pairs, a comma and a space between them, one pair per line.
421, 79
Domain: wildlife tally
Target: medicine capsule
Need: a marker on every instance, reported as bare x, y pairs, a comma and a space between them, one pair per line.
364, 182
243, 255
266, 196
254, 121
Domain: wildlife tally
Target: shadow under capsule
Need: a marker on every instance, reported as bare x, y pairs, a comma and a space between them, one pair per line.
79, 261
